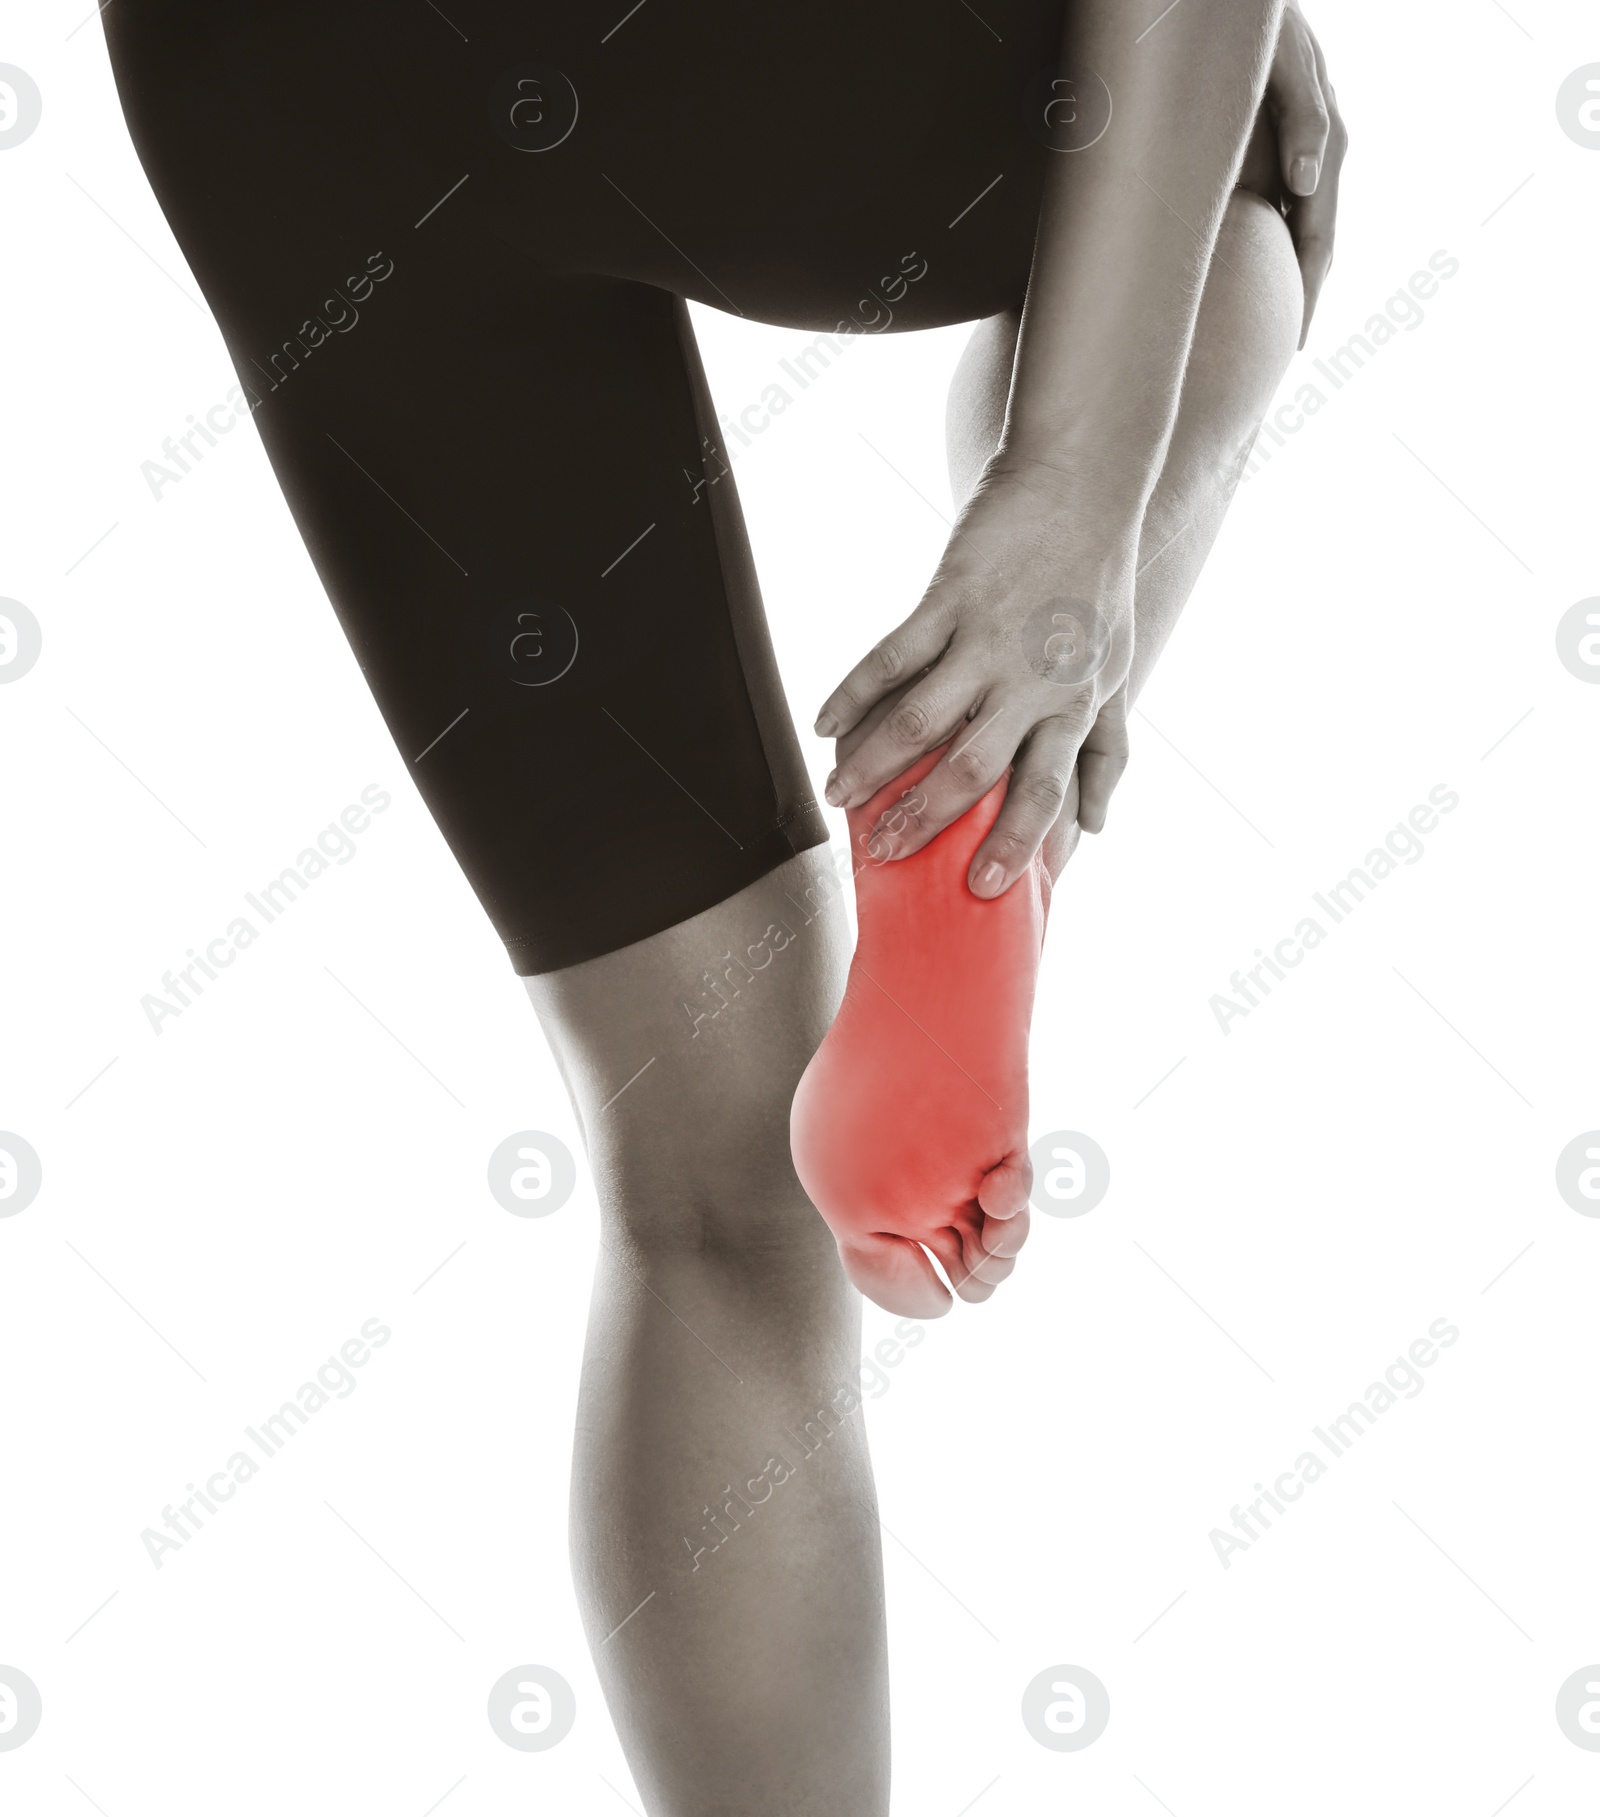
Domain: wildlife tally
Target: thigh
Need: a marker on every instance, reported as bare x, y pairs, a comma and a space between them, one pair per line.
821, 167
507, 474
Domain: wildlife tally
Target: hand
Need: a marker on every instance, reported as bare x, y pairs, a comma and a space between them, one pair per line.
1311, 145
1017, 654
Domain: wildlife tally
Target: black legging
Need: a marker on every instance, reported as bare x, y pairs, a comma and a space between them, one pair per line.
449, 255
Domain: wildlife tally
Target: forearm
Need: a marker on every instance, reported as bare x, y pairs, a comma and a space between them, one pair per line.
1126, 232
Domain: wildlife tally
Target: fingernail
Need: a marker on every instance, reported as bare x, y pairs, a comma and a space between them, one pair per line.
827, 726
835, 793
988, 880
1303, 176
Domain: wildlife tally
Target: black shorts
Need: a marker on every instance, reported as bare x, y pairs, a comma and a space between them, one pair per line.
448, 249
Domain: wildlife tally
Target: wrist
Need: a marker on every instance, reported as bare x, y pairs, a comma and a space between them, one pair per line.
1096, 508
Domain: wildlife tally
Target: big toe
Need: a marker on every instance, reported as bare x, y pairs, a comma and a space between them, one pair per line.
1004, 1189
895, 1273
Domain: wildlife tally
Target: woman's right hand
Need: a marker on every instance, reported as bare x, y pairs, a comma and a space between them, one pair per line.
1304, 113
1019, 645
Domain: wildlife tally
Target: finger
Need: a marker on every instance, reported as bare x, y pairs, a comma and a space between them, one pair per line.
909, 647
926, 717
1311, 224
1295, 95
850, 742
1062, 839
974, 763
1034, 799
1101, 762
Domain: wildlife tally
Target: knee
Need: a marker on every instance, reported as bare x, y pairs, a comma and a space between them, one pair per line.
738, 1244
1255, 272
1245, 337
703, 1167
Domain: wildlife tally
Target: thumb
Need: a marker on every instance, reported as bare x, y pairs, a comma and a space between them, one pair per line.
1300, 111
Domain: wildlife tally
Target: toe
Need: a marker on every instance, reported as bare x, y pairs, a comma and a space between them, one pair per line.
994, 1269
895, 1273
965, 1261
1005, 1188
1005, 1236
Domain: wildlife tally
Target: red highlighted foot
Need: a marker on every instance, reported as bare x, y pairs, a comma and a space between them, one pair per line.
910, 1126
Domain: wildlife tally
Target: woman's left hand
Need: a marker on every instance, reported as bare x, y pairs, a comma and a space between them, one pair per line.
1017, 654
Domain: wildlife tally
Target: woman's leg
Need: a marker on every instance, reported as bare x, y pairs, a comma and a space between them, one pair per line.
508, 477
1244, 338
724, 1528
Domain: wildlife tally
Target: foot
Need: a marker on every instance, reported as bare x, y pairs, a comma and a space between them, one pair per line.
910, 1126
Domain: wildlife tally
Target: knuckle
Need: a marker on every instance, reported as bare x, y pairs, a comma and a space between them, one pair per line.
1076, 718
968, 765
1010, 848
1305, 120
908, 723
1114, 716
1101, 769
1044, 791
887, 662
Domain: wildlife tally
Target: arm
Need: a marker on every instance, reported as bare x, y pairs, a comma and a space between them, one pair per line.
1041, 566
1126, 232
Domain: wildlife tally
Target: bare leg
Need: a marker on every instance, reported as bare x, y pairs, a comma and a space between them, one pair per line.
718, 1471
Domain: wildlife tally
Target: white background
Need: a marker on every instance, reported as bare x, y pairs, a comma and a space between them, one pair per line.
1363, 1154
